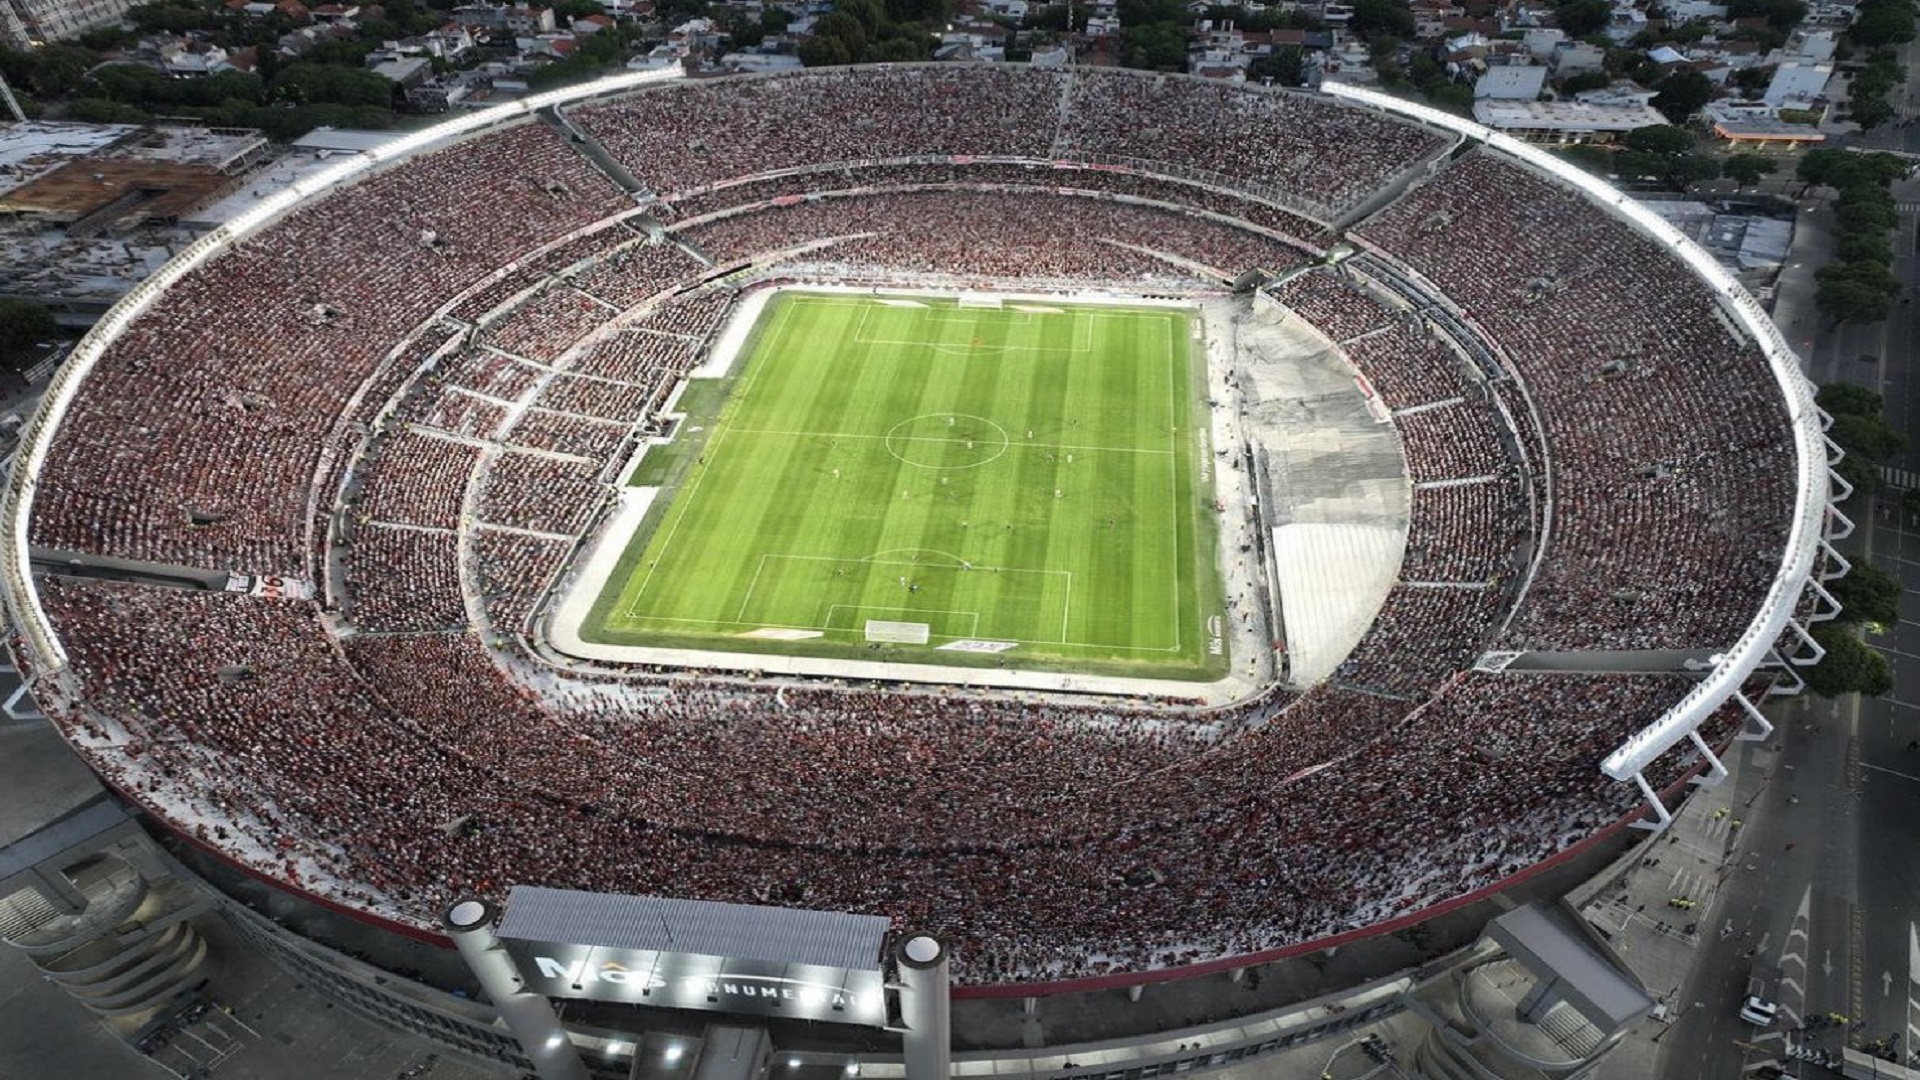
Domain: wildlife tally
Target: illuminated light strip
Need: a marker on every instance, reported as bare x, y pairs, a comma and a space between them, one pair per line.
22, 595
1732, 666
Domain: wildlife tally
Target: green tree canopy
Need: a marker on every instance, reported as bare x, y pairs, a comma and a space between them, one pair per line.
1781, 15
1859, 212
24, 324
1373, 18
1883, 22
1748, 169
1851, 399
1156, 47
1660, 139
1585, 80
1283, 67
1579, 18
1857, 292
1682, 94
1850, 666
1867, 594
1868, 436
330, 84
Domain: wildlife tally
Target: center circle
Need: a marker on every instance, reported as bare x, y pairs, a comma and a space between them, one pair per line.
947, 441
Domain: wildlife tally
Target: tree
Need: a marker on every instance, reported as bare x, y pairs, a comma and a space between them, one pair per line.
1850, 399
133, 84
1751, 81
1858, 212
328, 84
1860, 474
1660, 139
1842, 170
1372, 18
1882, 22
1682, 94
1748, 169
1867, 594
1595, 159
1871, 111
102, 111
1863, 247
1156, 47
1283, 67
1781, 15
1849, 667
1855, 292
1685, 170
820, 51
1584, 81
24, 324
1452, 96
1579, 18
1868, 436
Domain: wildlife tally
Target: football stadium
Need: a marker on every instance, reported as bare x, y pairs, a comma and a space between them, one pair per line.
1130, 526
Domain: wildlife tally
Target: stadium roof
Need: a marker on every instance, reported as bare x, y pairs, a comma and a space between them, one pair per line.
1565, 116
1552, 945
698, 927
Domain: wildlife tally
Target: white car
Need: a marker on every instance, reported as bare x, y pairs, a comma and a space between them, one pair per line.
1759, 1013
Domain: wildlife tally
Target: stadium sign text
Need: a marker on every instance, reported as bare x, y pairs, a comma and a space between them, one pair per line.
710, 983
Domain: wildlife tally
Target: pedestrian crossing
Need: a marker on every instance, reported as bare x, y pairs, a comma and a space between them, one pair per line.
1900, 478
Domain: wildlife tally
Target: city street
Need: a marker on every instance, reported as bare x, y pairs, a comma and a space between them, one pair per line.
1824, 883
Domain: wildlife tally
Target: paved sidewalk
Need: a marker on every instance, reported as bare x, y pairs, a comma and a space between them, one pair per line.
1658, 902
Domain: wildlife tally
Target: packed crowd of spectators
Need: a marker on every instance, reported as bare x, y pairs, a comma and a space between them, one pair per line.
413, 479
402, 579
1671, 451
1058, 177
1017, 233
1046, 839
444, 407
406, 765
544, 327
1452, 440
490, 373
1333, 304
1422, 635
1465, 532
566, 433
685, 137
541, 492
514, 570
1407, 365
236, 378
620, 373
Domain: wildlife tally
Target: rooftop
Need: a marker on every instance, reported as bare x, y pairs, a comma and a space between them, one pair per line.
1565, 116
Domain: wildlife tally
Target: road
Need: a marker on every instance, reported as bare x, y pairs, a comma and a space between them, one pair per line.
1826, 882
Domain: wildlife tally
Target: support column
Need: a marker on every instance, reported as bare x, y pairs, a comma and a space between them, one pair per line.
529, 1016
925, 1010
55, 889
1539, 1000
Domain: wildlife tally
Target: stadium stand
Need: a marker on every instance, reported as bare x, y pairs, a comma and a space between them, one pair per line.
381, 750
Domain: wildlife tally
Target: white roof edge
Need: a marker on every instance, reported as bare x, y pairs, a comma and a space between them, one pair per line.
1732, 666
16, 505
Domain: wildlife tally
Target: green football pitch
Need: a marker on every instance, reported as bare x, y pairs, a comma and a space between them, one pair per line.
915, 481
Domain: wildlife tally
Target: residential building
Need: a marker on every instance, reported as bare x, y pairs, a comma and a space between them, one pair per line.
1796, 84
1510, 82
26, 23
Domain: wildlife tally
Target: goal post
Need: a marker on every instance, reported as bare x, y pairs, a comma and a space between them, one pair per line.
981, 300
